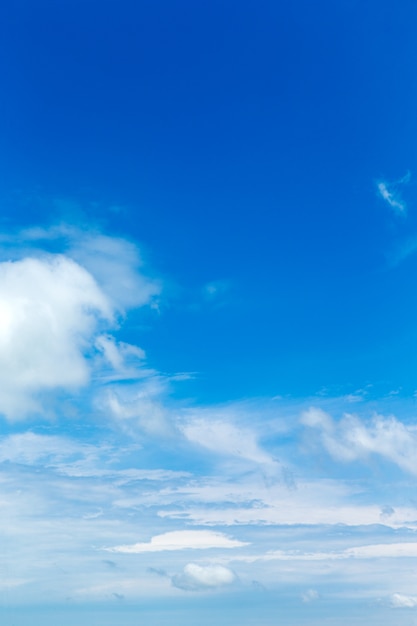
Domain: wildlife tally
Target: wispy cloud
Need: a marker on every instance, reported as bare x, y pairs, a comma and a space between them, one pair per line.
389, 191
352, 439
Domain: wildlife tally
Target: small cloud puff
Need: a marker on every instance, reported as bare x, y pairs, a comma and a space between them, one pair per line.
215, 289
309, 596
200, 578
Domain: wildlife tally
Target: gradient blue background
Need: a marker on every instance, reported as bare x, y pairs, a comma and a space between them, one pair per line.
241, 145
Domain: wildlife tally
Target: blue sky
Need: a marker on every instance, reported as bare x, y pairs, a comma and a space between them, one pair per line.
208, 339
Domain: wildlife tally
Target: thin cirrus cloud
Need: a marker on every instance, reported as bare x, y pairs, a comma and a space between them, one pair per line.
181, 540
383, 550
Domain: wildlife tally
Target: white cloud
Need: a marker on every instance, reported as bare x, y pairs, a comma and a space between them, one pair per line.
352, 439
400, 601
49, 310
181, 540
54, 309
198, 577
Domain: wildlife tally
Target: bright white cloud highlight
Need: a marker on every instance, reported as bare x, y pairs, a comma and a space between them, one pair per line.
199, 578
49, 309
181, 540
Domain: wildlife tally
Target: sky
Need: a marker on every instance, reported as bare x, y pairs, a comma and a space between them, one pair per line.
208, 319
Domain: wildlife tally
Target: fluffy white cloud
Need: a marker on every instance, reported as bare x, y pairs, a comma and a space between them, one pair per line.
49, 310
352, 439
198, 577
181, 540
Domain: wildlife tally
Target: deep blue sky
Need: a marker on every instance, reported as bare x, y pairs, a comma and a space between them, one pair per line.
244, 142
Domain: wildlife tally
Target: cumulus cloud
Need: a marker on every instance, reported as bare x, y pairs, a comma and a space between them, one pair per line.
49, 310
54, 308
199, 578
181, 540
352, 439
